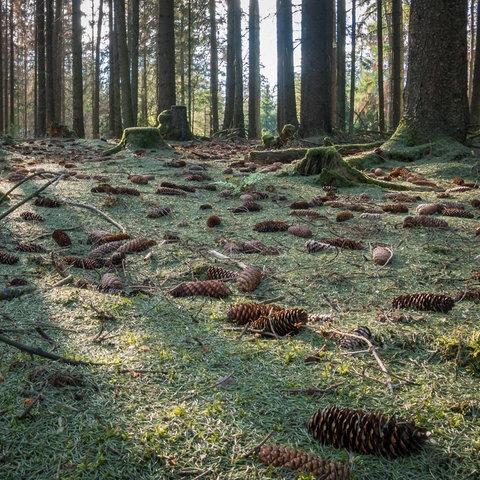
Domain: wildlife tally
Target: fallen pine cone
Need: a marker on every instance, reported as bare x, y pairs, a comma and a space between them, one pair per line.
382, 255
249, 279
205, 288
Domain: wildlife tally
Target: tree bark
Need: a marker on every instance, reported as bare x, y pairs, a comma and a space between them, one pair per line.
40, 117
351, 113
341, 63
134, 32
436, 92
49, 64
475, 102
381, 95
213, 68
78, 123
2, 124
254, 127
286, 99
96, 82
12, 70
396, 62
115, 116
166, 56
316, 105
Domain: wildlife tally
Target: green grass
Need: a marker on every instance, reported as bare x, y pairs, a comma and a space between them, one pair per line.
181, 393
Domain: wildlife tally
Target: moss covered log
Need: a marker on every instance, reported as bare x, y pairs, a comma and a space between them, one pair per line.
138, 137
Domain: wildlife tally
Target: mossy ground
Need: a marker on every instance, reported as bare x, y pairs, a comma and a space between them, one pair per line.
182, 394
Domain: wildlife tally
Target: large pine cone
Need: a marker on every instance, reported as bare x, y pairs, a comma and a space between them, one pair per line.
249, 279
428, 208
244, 313
271, 226
349, 343
305, 213
159, 211
345, 243
114, 237
302, 461
169, 191
219, 273
205, 288
47, 202
185, 188
110, 283
61, 238
85, 263
364, 432
8, 259
248, 206
395, 208
31, 248
125, 191
256, 246
105, 249
382, 255
344, 216
434, 302
313, 246
424, 221
473, 295
136, 245
300, 231
32, 217
456, 212
283, 322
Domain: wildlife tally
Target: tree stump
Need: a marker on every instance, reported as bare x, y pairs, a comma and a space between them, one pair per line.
173, 123
138, 137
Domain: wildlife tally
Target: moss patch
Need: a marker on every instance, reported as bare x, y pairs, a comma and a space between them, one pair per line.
138, 137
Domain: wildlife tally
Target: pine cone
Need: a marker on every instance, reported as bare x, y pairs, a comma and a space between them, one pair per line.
395, 208
205, 288
346, 243
300, 205
456, 212
371, 216
300, 231
344, 216
248, 206
159, 211
110, 283
32, 217
305, 213
472, 295
139, 179
85, 263
282, 322
136, 245
382, 255
313, 246
349, 343
302, 461
47, 202
8, 259
105, 249
428, 209
249, 279
271, 226
96, 236
169, 191
256, 246
364, 432
213, 221
31, 248
334, 204
185, 188
103, 188
424, 301
219, 273
319, 318
401, 197
244, 313
125, 191
424, 221
61, 238
459, 189
197, 177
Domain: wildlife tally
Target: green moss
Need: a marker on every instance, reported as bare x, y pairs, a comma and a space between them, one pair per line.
268, 140
365, 161
138, 137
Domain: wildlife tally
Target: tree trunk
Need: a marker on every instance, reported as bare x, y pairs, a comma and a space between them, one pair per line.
134, 32
166, 56
341, 63
58, 68
351, 113
12, 70
396, 61
230, 69
254, 127
381, 96
115, 115
475, 103
2, 124
286, 99
49, 63
123, 63
77, 74
96, 82
213, 68
317, 90
436, 92
40, 125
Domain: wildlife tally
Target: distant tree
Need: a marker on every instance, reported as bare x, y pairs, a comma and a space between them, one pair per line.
396, 64
436, 92
213, 67
11, 62
96, 80
166, 55
2, 124
40, 106
115, 113
381, 94
254, 127
286, 100
475, 100
134, 34
351, 112
49, 62
341, 67
77, 72
316, 106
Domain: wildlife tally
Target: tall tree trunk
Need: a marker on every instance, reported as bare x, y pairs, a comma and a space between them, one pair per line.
77, 74
96, 81
213, 67
134, 32
40, 117
230, 69
12, 69
471, 55
115, 113
2, 26
381, 95
254, 127
144, 91
286, 100
475, 102
49, 62
396, 61
58, 68
316, 106
341, 63
436, 101
166, 56
123, 63
351, 113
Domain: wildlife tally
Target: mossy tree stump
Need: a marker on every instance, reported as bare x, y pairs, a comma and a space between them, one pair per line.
138, 137
173, 123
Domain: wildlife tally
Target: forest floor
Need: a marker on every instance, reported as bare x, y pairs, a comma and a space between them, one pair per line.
175, 390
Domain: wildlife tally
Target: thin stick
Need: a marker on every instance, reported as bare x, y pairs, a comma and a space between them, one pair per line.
42, 353
257, 447
34, 194
96, 210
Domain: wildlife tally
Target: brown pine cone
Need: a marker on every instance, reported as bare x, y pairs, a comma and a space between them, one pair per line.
248, 206
31, 248
349, 343
159, 211
313, 246
205, 288
244, 313
256, 246
424, 221
283, 322
47, 202
271, 226
105, 249
456, 212
136, 245
32, 217
382, 255
344, 216
114, 237
249, 279
395, 208
8, 259
169, 191
301, 231
110, 283
345, 243
219, 273
85, 263
305, 213
61, 238
185, 188
424, 301
139, 179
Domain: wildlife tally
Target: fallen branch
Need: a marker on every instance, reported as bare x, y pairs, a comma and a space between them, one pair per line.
42, 353
96, 210
257, 447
